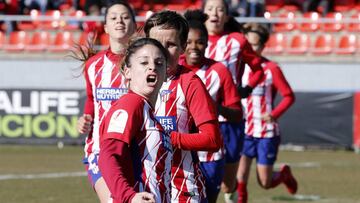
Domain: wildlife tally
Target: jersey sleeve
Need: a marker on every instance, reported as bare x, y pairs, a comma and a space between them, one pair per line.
229, 92
199, 102
281, 84
253, 60
124, 120
208, 138
114, 160
89, 102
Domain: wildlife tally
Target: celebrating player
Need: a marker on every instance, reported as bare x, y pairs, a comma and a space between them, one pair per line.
262, 133
233, 50
184, 108
219, 83
135, 156
104, 85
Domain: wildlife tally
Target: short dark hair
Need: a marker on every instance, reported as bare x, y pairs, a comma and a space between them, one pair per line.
259, 29
168, 20
120, 2
196, 20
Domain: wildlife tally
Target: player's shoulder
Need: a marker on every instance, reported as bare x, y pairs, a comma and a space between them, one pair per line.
238, 36
130, 101
187, 75
215, 65
95, 57
269, 64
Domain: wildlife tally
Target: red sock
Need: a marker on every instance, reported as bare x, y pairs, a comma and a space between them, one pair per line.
277, 178
242, 192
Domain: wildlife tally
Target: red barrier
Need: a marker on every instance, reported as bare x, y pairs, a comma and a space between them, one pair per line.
356, 127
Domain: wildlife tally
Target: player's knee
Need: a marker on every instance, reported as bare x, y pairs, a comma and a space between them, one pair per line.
265, 183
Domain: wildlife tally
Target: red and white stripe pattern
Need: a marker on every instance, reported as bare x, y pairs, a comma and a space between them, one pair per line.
101, 72
258, 103
187, 180
156, 161
227, 49
219, 84
211, 79
138, 127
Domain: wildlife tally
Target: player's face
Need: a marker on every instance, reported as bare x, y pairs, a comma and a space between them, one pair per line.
170, 39
195, 48
146, 71
254, 40
216, 11
119, 24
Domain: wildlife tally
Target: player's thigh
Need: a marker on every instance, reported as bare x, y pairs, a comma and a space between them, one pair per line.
213, 173
244, 169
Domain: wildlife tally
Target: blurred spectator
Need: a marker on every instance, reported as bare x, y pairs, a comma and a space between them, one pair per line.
8, 7
247, 8
256, 8
28, 5
322, 6
56, 4
93, 8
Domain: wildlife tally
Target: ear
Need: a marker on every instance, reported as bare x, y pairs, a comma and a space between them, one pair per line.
127, 73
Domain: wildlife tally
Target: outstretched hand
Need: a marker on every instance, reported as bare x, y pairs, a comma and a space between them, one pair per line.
84, 123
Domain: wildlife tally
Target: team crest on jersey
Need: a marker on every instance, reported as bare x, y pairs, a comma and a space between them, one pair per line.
109, 94
118, 121
165, 95
167, 122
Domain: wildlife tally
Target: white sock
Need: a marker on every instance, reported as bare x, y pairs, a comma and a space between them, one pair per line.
231, 197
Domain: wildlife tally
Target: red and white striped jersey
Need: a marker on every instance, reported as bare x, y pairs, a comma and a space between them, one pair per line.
262, 98
132, 121
104, 85
233, 50
183, 103
219, 84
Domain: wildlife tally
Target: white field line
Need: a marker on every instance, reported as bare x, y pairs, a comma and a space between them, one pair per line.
79, 174
42, 175
300, 165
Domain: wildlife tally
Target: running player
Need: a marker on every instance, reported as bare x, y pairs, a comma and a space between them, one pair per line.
233, 50
184, 108
135, 156
104, 85
218, 81
262, 132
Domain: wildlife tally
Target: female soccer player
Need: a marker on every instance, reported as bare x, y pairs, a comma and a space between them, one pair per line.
262, 133
219, 83
104, 85
135, 156
184, 108
233, 50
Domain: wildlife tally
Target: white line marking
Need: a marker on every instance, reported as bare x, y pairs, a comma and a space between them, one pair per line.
42, 175
301, 165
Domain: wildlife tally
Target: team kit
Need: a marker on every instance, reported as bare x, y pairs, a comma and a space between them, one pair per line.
178, 112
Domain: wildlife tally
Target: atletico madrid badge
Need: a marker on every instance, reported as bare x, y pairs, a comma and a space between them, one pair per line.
165, 95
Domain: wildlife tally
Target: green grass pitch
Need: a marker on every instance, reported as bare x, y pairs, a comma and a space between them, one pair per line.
41, 174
